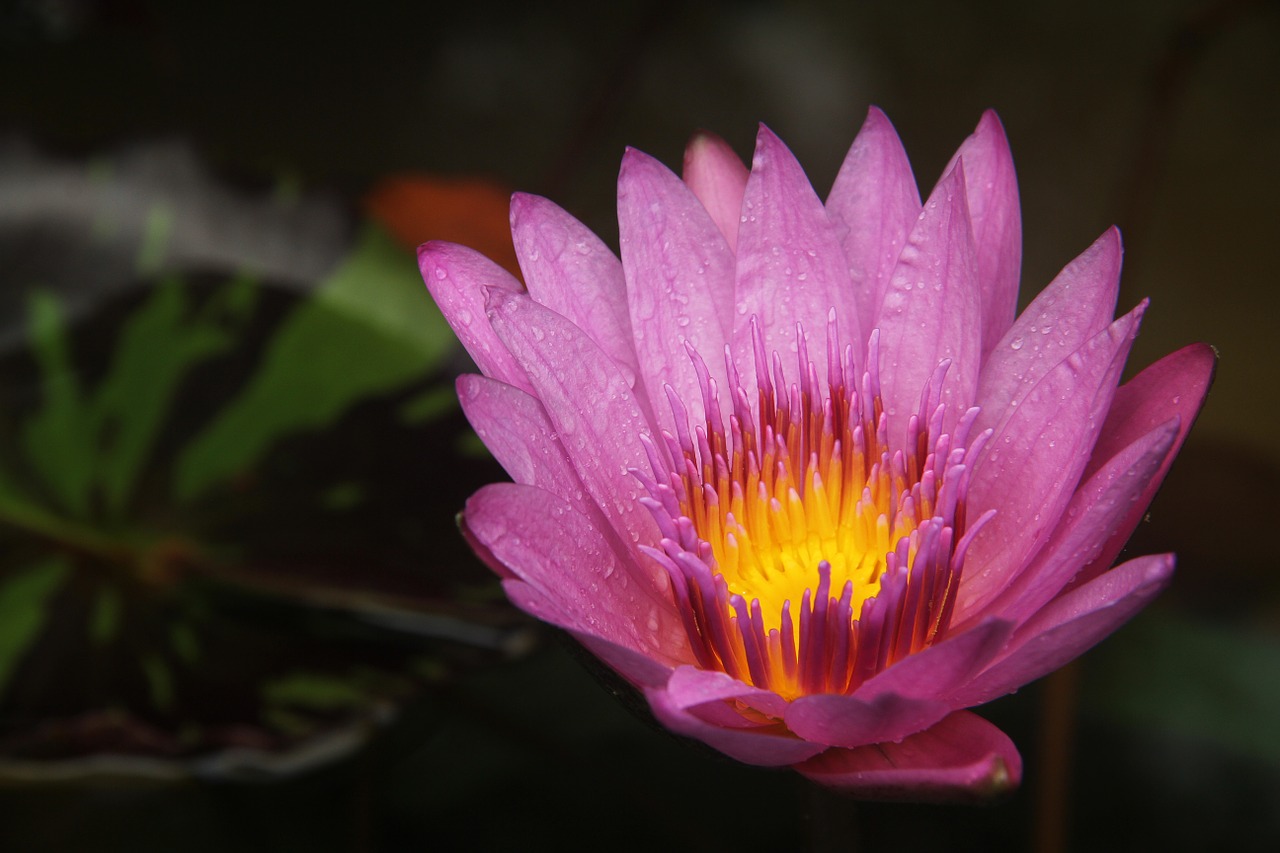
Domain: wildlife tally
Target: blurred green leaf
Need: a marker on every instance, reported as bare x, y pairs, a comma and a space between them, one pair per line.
314, 692
1217, 684
23, 598
58, 439
369, 329
105, 619
156, 347
429, 405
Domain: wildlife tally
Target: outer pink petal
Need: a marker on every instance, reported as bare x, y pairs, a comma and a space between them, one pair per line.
718, 178
873, 203
1096, 512
638, 668
679, 273
931, 311
1175, 386
563, 555
1032, 465
791, 267
459, 279
1069, 626
685, 712
1079, 303
992, 190
961, 759
906, 698
569, 270
515, 428
590, 403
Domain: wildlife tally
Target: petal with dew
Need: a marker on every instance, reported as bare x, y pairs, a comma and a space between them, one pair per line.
961, 759
874, 204
1043, 447
565, 366
571, 271
791, 268
1097, 510
991, 188
679, 282
459, 280
640, 669
547, 544
1069, 626
931, 311
1078, 304
1175, 386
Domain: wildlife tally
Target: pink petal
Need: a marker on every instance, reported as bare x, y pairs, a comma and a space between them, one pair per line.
931, 311
1069, 626
718, 178
791, 267
516, 430
1078, 304
906, 698
458, 279
961, 759
679, 273
1175, 386
1097, 510
992, 190
769, 745
591, 405
559, 552
873, 203
637, 668
569, 270
1033, 463
690, 686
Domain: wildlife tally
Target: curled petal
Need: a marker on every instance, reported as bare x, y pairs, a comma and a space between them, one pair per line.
963, 758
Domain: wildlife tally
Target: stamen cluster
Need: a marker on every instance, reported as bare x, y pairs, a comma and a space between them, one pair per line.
805, 553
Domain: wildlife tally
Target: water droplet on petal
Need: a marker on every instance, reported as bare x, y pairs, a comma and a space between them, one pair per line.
1015, 344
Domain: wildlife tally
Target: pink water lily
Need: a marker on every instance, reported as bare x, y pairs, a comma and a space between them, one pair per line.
795, 471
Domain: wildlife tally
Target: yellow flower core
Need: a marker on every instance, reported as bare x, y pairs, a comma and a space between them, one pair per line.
805, 553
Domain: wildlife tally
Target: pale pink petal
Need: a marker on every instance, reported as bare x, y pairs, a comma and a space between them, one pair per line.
903, 699
1069, 626
791, 268
591, 405
874, 204
1079, 303
931, 311
638, 668
568, 269
679, 284
459, 279
1033, 463
961, 759
1097, 510
1175, 386
718, 178
562, 554
769, 745
992, 190
515, 428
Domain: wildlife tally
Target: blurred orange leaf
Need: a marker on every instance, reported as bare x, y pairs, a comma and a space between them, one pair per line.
473, 212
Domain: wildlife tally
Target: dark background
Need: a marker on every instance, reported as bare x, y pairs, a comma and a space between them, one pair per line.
1161, 117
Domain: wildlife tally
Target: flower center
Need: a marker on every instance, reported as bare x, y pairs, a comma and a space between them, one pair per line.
805, 553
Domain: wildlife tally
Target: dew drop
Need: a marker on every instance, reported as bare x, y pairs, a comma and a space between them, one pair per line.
1016, 344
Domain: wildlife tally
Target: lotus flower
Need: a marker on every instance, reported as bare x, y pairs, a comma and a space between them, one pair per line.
795, 471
